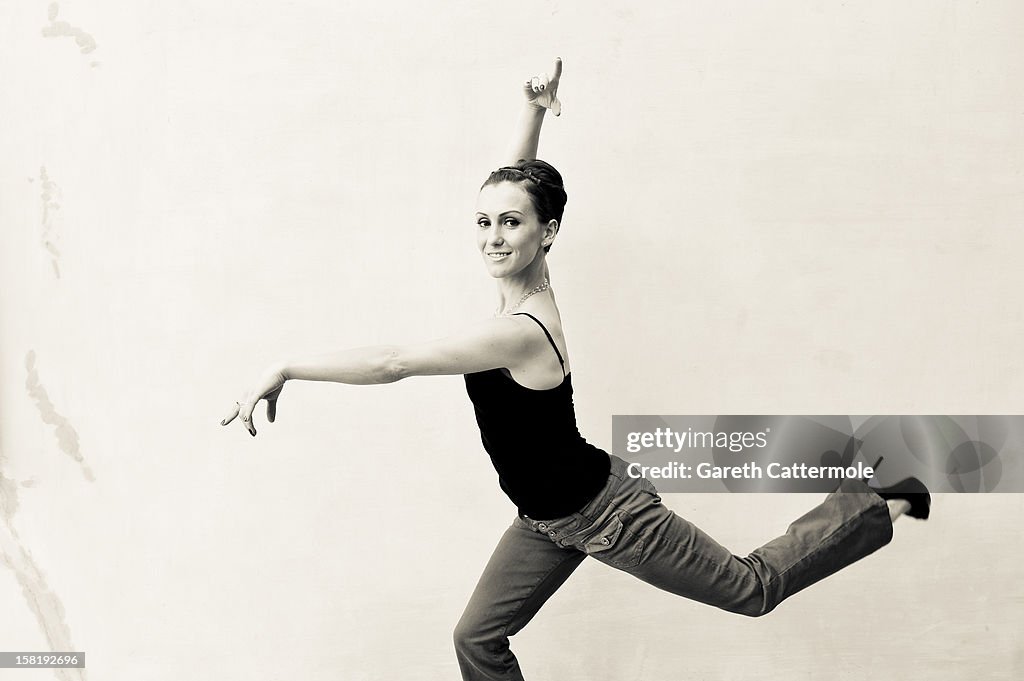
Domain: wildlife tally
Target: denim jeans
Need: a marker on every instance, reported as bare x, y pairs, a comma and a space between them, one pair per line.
626, 526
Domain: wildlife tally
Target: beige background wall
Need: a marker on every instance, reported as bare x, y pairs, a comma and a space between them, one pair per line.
779, 208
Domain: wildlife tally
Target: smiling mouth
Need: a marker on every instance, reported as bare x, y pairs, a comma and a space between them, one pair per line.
499, 255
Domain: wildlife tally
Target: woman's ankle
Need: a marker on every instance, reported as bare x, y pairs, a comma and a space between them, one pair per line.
897, 507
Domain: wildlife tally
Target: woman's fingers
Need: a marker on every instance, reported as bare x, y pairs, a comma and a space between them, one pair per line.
245, 409
271, 398
556, 71
239, 409
544, 82
269, 387
556, 106
231, 415
541, 89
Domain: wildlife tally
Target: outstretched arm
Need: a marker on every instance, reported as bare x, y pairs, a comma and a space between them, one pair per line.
540, 93
485, 345
501, 342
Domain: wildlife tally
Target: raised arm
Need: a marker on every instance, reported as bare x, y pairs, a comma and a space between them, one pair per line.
489, 344
540, 93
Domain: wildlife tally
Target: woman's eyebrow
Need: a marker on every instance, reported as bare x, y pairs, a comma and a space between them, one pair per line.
508, 212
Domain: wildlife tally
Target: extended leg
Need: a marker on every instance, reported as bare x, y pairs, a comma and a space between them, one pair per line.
523, 572
678, 557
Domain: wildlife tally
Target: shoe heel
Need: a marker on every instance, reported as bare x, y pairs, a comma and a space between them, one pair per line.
874, 469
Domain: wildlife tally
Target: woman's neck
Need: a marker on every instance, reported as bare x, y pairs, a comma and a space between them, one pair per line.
511, 289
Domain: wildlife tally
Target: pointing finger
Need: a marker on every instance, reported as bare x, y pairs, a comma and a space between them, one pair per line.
271, 410
557, 70
231, 415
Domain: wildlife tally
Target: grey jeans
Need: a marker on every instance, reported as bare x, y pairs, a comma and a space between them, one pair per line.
627, 527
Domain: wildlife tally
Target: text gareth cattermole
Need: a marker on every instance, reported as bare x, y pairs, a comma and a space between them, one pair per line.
666, 438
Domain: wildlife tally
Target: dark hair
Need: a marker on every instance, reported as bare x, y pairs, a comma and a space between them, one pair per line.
542, 183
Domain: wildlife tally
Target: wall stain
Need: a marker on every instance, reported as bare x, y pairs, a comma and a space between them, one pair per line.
50, 208
61, 29
44, 604
8, 495
67, 438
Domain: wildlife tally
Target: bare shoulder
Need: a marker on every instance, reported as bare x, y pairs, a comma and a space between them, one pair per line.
548, 320
507, 330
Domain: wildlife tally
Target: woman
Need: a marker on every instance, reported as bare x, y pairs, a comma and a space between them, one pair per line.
574, 499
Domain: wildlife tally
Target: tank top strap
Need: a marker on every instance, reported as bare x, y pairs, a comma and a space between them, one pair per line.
550, 339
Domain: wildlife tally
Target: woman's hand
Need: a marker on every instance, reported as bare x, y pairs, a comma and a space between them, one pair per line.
542, 91
268, 387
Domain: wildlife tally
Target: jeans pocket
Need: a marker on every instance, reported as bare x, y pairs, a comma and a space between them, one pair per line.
614, 544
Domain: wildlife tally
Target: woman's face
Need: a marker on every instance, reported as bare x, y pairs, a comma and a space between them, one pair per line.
509, 234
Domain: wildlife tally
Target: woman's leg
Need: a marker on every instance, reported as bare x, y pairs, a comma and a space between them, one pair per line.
522, 573
633, 531
679, 557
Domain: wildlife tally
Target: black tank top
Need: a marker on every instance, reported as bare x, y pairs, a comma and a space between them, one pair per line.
544, 465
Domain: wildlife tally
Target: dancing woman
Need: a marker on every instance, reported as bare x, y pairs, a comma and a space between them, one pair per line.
575, 500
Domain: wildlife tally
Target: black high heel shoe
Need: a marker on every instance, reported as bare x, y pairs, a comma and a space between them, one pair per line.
908, 489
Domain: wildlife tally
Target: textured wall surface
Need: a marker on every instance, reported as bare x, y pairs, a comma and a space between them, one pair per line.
784, 208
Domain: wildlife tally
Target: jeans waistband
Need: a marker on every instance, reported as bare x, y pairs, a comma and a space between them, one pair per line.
560, 527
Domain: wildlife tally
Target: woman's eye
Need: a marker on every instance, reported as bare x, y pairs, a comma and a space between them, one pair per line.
482, 223
511, 221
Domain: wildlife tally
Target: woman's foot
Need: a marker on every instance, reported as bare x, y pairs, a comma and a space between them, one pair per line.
897, 507
911, 492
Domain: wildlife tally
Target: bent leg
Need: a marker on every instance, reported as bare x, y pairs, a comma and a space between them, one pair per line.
525, 569
639, 535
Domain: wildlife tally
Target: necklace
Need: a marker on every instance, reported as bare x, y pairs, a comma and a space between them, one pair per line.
544, 286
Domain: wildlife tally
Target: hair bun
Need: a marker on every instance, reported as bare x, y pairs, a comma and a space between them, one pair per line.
542, 183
